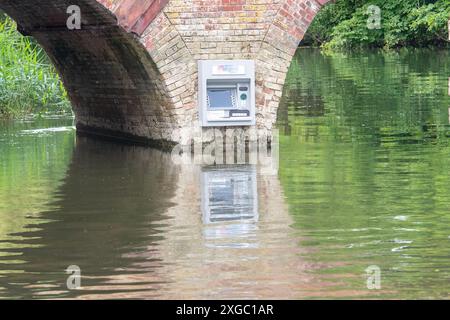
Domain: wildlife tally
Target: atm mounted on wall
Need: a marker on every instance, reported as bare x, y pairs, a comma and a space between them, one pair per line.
226, 92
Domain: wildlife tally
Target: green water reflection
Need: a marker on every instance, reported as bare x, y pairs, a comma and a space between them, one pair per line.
34, 156
365, 162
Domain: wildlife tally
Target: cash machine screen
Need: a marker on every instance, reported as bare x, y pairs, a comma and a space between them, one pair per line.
221, 98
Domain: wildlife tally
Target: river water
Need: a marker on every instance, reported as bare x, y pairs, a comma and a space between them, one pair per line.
363, 182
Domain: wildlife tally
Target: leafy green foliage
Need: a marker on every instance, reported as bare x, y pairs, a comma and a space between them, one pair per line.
28, 82
418, 23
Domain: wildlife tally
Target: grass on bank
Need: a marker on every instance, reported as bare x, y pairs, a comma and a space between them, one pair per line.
29, 84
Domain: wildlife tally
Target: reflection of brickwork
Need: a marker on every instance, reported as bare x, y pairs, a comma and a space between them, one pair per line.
232, 260
147, 88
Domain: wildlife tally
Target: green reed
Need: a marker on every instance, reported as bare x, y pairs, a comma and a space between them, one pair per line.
29, 84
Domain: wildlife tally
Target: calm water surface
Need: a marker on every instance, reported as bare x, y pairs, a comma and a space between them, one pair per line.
364, 180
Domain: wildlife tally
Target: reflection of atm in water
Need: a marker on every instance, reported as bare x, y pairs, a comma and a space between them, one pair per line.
227, 93
229, 194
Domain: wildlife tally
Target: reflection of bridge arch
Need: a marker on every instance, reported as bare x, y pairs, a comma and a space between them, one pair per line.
132, 221
131, 69
109, 206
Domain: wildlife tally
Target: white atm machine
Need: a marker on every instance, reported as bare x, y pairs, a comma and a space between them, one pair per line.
226, 93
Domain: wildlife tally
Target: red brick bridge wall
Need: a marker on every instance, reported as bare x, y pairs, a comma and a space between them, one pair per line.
131, 71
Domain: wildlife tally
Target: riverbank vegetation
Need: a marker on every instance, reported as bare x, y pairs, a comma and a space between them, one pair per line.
29, 84
416, 23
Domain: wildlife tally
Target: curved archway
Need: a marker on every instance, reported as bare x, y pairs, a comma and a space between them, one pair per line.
112, 82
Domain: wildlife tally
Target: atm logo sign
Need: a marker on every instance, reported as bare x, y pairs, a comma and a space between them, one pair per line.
226, 69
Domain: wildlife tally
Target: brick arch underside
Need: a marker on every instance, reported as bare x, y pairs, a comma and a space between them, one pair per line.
114, 86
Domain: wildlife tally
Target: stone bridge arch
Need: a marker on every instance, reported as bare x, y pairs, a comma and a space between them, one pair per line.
131, 71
